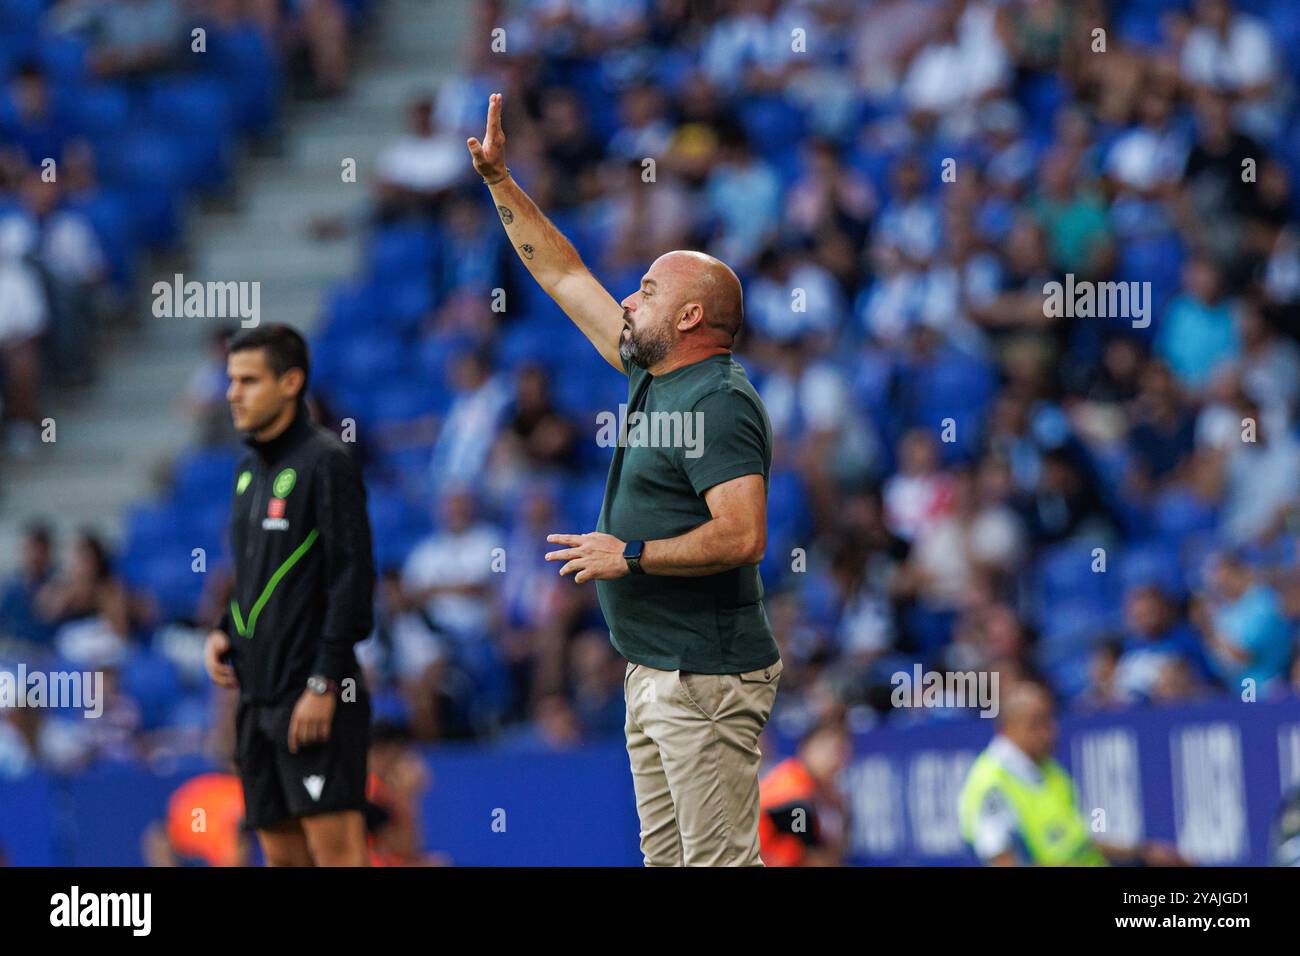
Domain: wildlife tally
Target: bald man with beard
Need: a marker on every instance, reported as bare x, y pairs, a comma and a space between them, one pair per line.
681, 532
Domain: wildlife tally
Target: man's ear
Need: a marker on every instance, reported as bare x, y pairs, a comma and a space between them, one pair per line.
291, 378
692, 315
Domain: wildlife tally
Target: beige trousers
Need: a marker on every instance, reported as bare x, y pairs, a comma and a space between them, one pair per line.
693, 744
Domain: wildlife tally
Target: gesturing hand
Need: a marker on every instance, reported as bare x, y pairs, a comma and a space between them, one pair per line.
490, 155
594, 556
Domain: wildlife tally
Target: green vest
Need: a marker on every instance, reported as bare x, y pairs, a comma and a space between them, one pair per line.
1051, 826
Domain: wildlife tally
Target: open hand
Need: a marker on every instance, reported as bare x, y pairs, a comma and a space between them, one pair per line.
594, 556
490, 155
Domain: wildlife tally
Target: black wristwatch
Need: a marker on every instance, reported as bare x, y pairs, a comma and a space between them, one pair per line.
321, 685
632, 554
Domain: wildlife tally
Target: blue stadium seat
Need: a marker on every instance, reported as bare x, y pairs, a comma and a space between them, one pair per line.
371, 360
205, 475
1065, 579
401, 252
241, 57
404, 302
154, 683
198, 109
63, 58
148, 167
773, 123
402, 401
109, 215
95, 110
20, 17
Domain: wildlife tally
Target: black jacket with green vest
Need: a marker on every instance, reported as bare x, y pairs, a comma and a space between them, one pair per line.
304, 571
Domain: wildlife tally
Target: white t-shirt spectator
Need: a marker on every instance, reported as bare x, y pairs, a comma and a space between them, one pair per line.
70, 248
1144, 157
944, 77
916, 503
771, 305
24, 309
451, 558
423, 163
1241, 59
1261, 481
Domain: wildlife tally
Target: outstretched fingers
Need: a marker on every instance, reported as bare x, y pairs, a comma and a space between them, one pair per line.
493, 134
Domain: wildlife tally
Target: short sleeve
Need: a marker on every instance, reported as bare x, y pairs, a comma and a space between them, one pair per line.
995, 826
731, 441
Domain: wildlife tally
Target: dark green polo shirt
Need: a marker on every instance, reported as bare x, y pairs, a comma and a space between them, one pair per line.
701, 425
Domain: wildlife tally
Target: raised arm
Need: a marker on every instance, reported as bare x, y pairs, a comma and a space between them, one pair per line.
542, 248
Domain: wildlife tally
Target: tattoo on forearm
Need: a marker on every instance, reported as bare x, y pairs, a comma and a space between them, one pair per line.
527, 250
506, 215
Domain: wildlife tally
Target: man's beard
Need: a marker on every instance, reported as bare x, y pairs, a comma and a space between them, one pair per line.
647, 348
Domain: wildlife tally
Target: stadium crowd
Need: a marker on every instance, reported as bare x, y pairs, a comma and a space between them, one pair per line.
965, 477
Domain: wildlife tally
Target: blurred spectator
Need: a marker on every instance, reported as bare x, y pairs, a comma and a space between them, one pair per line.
964, 63
205, 397
399, 778
1074, 218
19, 618
449, 574
319, 30
408, 651
1231, 52
537, 441
128, 38
66, 254
24, 317
34, 126
1215, 196
471, 426
89, 607
597, 684
416, 171
919, 495
829, 197
1198, 333
744, 201
644, 219
573, 152
1163, 430
803, 819
1257, 475
204, 825
1245, 631
1103, 691
1154, 638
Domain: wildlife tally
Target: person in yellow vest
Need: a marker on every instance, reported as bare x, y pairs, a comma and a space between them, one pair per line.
1019, 807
